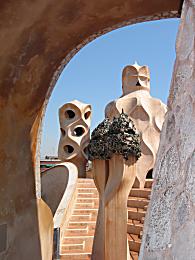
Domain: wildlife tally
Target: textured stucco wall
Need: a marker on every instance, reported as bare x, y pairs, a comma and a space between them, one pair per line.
169, 231
53, 185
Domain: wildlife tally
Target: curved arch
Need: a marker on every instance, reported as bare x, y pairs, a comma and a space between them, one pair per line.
65, 61
154, 12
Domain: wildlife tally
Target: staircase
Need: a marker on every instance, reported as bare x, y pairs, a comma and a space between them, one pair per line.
78, 237
137, 206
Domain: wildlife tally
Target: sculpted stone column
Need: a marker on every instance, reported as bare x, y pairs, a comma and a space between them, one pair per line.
146, 112
114, 149
75, 119
169, 231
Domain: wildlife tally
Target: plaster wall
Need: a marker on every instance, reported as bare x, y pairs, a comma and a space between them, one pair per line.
53, 185
169, 231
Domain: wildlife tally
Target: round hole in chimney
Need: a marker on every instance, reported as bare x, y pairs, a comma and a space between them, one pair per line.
138, 84
69, 114
87, 114
78, 131
68, 149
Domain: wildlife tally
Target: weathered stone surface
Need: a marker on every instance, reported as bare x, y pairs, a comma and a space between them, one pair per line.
190, 178
181, 211
181, 250
168, 171
169, 226
182, 77
159, 235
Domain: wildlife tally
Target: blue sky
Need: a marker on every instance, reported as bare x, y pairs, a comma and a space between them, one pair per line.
93, 76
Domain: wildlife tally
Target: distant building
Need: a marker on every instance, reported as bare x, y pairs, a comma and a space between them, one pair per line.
48, 162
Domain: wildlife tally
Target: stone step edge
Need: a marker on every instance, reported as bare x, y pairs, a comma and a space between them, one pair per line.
74, 237
136, 225
77, 229
83, 222
86, 209
76, 254
79, 244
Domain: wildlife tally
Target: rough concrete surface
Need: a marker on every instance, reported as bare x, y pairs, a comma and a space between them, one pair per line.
169, 231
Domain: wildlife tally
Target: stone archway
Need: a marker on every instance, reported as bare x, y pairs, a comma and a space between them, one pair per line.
35, 38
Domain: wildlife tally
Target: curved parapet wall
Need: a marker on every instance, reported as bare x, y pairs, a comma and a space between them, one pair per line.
53, 185
59, 192
146, 112
58, 185
75, 118
64, 209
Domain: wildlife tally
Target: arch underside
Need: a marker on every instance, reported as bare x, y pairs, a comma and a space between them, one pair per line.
38, 39
70, 55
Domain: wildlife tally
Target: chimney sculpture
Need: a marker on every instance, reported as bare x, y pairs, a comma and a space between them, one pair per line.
75, 119
146, 112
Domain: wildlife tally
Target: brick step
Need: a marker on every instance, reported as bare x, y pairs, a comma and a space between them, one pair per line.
148, 183
89, 185
84, 211
135, 209
80, 212
76, 231
86, 185
86, 241
134, 221
88, 200
75, 256
85, 180
134, 229
88, 195
84, 205
141, 193
77, 240
70, 247
137, 202
79, 234
81, 224
79, 231
136, 215
134, 243
84, 218
87, 190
